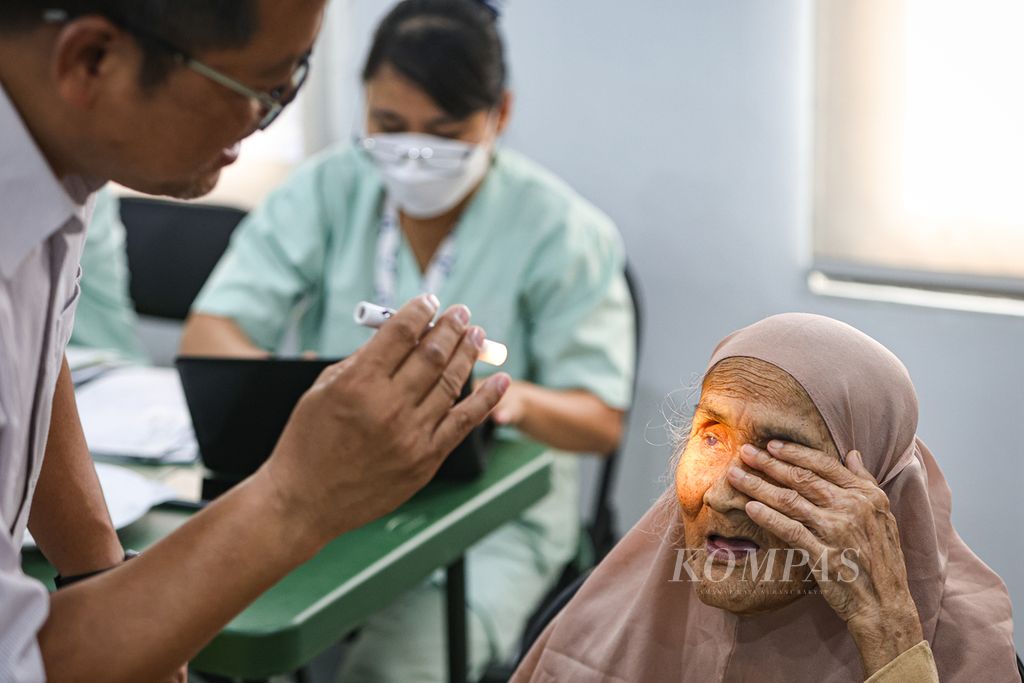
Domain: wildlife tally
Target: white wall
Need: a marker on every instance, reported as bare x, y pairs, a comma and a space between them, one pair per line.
685, 120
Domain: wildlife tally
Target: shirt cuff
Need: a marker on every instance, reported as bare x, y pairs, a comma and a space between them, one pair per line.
916, 665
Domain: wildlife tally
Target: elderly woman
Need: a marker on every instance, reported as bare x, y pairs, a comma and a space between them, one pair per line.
809, 538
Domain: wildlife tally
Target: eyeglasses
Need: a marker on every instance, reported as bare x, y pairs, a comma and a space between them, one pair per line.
270, 104
441, 154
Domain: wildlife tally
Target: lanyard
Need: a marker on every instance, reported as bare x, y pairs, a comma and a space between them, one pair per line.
389, 240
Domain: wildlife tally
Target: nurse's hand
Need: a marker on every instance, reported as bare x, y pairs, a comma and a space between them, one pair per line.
841, 518
375, 427
512, 408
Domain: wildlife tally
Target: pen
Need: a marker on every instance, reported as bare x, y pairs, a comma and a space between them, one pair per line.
372, 315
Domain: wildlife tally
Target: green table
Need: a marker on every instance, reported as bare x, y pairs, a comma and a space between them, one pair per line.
363, 571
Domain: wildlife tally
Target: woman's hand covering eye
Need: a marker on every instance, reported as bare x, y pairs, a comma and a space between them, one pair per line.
841, 518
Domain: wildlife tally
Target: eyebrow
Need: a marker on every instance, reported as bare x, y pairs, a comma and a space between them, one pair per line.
762, 433
445, 120
387, 117
384, 114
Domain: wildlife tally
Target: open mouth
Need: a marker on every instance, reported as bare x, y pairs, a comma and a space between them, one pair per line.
737, 546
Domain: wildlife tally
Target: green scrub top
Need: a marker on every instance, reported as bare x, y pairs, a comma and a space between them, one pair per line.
105, 318
541, 269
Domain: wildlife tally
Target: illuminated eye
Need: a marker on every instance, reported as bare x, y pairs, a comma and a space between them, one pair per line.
710, 440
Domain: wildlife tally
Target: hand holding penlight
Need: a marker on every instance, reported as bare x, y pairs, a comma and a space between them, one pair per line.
372, 315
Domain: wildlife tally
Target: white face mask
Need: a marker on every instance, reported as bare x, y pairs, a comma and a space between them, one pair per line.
426, 175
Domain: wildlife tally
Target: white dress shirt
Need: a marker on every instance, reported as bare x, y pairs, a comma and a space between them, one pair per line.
42, 233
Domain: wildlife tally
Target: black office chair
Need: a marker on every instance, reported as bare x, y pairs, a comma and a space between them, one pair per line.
545, 616
1020, 668
601, 532
603, 529
172, 248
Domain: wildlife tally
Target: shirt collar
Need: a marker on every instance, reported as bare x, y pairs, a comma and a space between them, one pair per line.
34, 203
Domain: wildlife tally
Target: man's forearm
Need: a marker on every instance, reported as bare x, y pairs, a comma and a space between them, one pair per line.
238, 547
69, 517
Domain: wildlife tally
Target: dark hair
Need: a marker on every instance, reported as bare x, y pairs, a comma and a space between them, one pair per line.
449, 48
190, 25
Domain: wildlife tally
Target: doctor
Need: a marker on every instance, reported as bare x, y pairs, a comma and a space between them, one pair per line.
156, 95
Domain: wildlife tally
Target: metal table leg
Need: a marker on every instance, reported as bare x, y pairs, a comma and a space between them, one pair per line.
458, 641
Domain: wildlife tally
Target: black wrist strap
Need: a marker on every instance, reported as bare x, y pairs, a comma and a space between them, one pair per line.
65, 581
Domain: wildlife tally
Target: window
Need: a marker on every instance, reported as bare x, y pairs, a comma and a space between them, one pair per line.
918, 166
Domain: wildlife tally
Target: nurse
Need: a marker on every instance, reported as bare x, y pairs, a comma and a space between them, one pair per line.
428, 201
106, 317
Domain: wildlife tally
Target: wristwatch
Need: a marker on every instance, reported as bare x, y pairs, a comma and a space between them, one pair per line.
65, 581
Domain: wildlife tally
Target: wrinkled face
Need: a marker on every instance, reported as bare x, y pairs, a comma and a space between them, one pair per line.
736, 566
174, 139
394, 104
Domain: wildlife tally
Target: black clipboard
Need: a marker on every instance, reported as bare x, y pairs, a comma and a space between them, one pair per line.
239, 407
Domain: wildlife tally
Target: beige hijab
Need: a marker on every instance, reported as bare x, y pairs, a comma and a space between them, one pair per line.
630, 623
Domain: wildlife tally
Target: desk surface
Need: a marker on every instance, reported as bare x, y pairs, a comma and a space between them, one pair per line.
361, 572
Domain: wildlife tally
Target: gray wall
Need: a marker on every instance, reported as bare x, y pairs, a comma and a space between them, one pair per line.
686, 120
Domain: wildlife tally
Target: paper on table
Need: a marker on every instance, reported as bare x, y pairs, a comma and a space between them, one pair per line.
87, 364
137, 413
83, 357
129, 496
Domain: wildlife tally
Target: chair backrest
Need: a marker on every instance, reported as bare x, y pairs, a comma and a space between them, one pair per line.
602, 527
550, 611
172, 248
